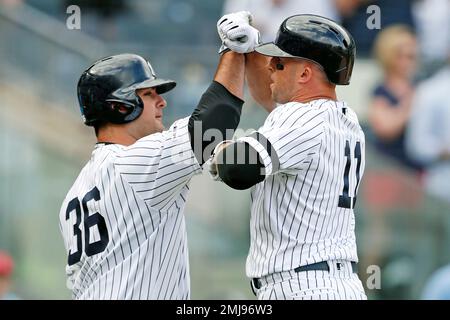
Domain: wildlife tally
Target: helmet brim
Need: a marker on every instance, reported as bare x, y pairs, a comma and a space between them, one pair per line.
272, 50
161, 85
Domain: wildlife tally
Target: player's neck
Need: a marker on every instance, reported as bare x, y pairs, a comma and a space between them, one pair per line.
115, 134
305, 96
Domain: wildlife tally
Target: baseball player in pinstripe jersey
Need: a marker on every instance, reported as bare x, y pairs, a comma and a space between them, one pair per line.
122, 220
304, 164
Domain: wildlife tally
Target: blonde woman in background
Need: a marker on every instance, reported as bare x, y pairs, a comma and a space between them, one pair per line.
387, 187
396, 51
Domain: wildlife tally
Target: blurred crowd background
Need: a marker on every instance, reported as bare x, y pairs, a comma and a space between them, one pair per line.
399, 89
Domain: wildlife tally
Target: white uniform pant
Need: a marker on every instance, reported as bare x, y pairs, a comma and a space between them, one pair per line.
340, 283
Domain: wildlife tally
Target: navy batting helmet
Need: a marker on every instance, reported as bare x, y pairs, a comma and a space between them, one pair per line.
115, 79
318, 39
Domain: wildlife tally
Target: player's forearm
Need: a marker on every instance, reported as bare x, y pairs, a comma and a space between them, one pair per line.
239, 165
214, 119
231, 73
258, 79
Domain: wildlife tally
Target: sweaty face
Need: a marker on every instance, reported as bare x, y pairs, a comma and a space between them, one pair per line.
150, 121
283, 74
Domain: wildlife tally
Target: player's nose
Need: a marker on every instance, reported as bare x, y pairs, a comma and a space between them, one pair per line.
161, 102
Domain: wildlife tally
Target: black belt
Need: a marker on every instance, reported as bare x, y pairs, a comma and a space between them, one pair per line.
323, 266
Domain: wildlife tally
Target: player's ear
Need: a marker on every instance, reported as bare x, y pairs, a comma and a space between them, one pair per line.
305, 73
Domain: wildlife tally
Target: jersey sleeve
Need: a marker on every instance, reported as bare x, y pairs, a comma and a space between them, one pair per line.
287, 143
160, 165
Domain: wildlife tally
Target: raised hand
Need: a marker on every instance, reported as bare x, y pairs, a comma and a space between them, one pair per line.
236, 32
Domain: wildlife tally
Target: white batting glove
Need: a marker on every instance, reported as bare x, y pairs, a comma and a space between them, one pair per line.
236, 32
247, 38
231, 20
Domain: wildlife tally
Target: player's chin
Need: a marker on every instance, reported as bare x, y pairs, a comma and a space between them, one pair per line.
280, 99
274, 94
155, 127
160, 126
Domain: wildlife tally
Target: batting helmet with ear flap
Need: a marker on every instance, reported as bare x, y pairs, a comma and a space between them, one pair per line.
114, 80
318, 39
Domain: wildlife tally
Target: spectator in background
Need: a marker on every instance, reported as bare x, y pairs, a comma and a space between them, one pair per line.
396, 52
354, 19
6, 270
269, 14
432, 19
100, 15
428, 134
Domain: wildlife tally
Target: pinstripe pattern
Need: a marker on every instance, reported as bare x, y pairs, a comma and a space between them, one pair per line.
142, 189
313, 285
295, 217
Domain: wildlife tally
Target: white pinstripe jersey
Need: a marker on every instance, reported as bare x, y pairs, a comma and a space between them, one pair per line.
122, 221
302, 212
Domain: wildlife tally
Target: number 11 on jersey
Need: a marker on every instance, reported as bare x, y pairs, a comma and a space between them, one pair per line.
345, 201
